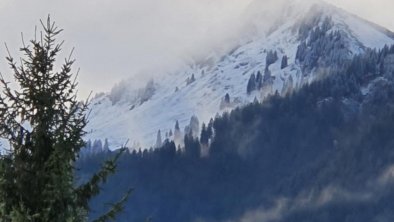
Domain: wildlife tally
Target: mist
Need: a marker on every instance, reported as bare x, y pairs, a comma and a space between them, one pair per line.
320, 198
124, 39
115, 40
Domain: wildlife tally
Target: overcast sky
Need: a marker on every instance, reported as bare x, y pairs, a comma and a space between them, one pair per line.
117, 39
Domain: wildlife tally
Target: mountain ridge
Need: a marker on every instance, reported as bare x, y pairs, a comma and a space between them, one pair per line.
200, 88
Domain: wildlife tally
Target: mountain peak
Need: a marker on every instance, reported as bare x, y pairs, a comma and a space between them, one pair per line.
287, 46
263, 17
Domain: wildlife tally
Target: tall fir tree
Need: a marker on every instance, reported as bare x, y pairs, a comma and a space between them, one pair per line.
44, 124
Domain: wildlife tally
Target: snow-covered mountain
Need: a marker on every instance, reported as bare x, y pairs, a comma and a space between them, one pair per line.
280, 49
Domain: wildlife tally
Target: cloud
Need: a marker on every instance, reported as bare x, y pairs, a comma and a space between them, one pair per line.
118, 39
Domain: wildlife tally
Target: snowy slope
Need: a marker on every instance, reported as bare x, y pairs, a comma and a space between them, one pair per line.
130, 118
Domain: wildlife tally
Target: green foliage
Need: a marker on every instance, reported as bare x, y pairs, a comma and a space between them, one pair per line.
44, 124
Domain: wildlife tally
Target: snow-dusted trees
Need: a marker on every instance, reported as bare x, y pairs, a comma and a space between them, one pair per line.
190, 80
320, 47
271, 58
301, 51
255, 82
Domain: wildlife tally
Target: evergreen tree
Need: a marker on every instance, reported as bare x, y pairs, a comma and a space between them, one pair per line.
37, 173
267, 74
159, 141
190, 80
204, 135
227, 98
210, 129
177, 126
251, 84
271, 58
194, 127
177, 133
284, 62
106, 145
259, 80
192, 146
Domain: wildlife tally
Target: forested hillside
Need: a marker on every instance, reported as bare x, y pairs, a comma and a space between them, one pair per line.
322, 153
